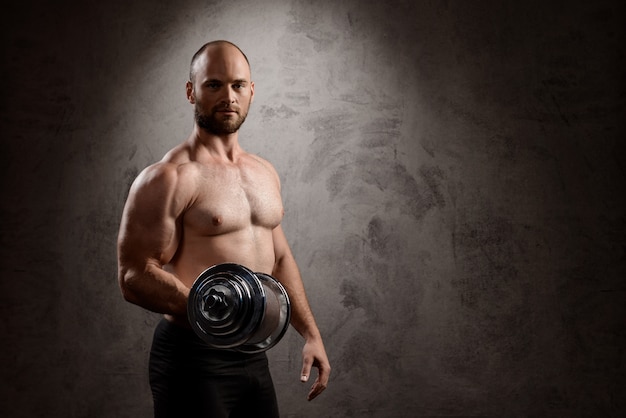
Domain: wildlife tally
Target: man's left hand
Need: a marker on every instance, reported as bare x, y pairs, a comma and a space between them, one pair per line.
314, 355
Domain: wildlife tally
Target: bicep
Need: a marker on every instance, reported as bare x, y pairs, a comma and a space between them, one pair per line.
148, 231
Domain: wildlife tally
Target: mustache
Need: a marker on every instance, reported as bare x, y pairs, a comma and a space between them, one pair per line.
225, 108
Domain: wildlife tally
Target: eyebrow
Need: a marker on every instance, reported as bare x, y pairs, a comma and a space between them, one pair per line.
215, 80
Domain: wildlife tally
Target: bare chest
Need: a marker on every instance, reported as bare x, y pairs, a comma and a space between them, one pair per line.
229, 200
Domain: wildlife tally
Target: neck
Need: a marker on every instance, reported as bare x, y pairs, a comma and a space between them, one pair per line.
225, 146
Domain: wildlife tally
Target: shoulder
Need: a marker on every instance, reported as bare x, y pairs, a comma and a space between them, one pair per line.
264, 165
164, 182
168, 172
161, 174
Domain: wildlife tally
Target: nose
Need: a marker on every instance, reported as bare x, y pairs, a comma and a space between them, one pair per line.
229, 98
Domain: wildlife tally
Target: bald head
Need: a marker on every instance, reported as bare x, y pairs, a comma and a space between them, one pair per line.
220, 87
205, 49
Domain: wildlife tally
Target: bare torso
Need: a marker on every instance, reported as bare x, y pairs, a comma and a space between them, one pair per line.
232, 210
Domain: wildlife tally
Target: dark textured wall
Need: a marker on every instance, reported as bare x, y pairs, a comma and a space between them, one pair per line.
452, 173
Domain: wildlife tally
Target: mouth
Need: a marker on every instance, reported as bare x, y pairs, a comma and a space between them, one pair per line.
227, 111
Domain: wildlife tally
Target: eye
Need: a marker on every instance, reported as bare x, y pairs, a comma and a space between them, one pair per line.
213, 84
238, 86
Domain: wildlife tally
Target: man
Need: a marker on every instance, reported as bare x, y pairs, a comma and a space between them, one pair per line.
208, 202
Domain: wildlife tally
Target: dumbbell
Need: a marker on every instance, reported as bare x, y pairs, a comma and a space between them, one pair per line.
230, 307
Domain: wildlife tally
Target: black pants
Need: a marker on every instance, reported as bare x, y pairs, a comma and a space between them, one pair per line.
190, 380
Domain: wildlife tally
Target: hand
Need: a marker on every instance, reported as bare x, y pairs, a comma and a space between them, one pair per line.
314, 355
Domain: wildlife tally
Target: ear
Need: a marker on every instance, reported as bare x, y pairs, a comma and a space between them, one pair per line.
190, 96
251, 91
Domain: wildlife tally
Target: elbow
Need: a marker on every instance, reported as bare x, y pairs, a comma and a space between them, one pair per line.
126, 286
127, 295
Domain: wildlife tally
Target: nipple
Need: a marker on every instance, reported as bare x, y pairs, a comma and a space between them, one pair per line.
217, 220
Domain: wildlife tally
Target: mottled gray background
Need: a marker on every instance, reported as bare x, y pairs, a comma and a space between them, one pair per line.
452, 172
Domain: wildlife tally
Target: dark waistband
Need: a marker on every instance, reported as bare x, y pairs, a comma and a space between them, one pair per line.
187, 337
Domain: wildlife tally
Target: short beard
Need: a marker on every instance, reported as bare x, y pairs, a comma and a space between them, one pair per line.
213, 125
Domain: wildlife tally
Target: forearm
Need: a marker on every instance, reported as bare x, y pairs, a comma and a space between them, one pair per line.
302, 319
313, 352
154, 289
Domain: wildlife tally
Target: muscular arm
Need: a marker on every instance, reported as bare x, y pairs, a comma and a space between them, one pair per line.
148, 239
313, 353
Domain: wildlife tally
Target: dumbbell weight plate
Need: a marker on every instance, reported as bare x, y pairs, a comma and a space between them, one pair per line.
226, 305
276, 318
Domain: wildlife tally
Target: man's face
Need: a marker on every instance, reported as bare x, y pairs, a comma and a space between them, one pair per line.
221, 91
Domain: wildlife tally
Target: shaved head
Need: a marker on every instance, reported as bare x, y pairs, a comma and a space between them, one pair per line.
219, 87
203, 48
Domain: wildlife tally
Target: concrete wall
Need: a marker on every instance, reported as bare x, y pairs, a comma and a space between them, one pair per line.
452, 174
